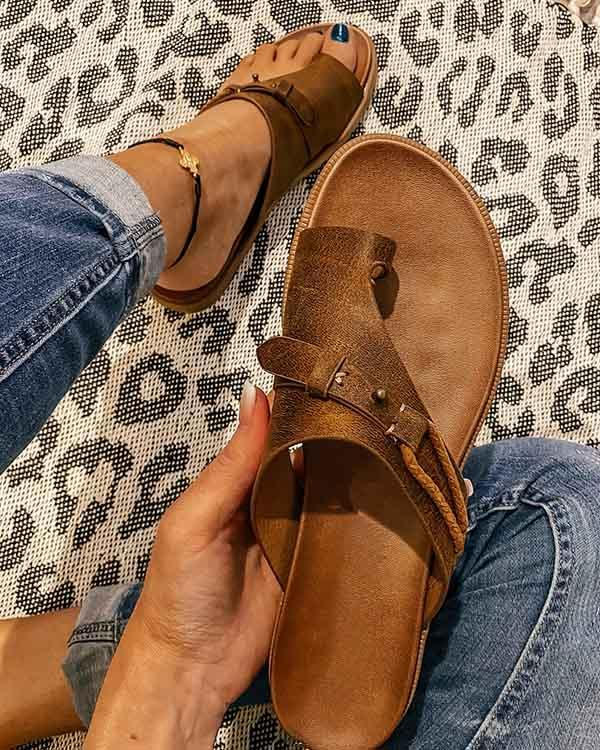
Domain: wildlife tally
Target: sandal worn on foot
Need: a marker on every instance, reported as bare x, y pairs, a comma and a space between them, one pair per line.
310, 113
394, 332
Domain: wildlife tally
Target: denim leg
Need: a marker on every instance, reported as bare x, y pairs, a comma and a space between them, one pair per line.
80, 245
512, 662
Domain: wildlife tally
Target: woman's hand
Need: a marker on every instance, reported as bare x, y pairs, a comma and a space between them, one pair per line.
202, 626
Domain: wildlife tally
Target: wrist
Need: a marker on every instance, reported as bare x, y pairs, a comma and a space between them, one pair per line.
151, 699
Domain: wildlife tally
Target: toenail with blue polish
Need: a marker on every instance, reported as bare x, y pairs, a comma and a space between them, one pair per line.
340, 33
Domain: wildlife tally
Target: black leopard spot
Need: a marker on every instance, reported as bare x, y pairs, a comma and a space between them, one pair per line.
448, 152
156, 493
591, 56
589, 232
565, 321
16, 11
261, 35
468, 108
194, 90
152, 388
423, 52
383, 48
33, 594
30, 466
46, 42
550, 261
87, 458
156, 13
592, 320
513, 156
11, 109
142, 566
436, 15
14, 546
262, 313
67, 150
213, 391
397, 104
90, 110
556, 125
165, 86
592, 182
467, 21
510, 392
560, 187
564, 26
584, 384
41, 128
5, 160
91, 13
120, 10
515, 90
204, 39
107, 573
513, 215
547, 360
517, 332
525, 35
217, 323
134, 328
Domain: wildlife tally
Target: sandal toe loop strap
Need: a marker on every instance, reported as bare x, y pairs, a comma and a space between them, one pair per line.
328, 374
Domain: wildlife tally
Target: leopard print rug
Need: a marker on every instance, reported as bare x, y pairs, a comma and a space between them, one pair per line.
507, 90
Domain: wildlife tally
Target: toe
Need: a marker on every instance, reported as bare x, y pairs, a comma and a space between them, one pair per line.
340, 42
265, 54
286, 50
309, 48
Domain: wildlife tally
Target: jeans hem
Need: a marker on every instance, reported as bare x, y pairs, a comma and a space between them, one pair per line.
111, 193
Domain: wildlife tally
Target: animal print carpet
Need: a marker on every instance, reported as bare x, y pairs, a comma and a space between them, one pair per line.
507, 90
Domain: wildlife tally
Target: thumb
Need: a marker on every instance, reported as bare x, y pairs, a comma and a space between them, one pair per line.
214, 497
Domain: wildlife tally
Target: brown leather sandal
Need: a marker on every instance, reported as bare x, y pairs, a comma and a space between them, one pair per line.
394, 332
310, 114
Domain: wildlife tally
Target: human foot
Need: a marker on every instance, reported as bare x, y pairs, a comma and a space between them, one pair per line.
233, 145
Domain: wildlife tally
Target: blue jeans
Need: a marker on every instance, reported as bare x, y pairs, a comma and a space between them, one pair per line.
80, 244
512, 661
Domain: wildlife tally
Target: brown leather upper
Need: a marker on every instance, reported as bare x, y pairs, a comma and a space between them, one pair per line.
339, 376
306, 111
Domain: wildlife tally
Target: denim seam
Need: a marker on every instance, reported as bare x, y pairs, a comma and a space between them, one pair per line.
108, 269
104, 631
117, 229
140, 234
492, 732
136, 237
498, 509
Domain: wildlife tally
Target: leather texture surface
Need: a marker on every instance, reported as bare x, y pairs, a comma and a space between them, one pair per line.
307, 112
376, 328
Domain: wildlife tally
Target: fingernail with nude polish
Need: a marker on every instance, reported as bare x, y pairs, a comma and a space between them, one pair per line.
247, 402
